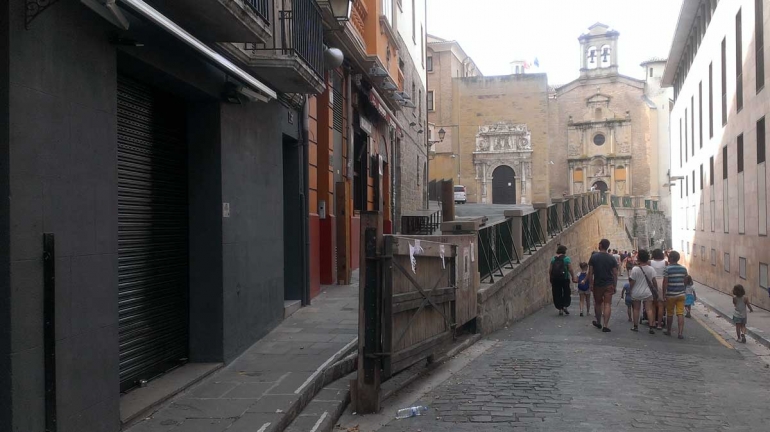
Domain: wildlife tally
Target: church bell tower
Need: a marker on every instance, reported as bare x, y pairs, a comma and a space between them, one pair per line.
599, 52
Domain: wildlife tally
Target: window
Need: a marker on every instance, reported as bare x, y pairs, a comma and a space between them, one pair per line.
759, 43
763, 282
687, 251
711, 172
742, 267
725, 189
599, 139
738, 61
430, 101
692, 122
701, 176
694, 250
727, 262
414, 23
740, 153
703, 253
650, 72
422, 45
685, 135
761, 140
429, 63
687, 185
713, 257
693, 182
700, 114
761, 177
680, 143
741, 197
387, 11
724, 81
711, 100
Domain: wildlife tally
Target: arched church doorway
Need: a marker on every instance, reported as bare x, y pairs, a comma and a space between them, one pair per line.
503, 185
600, 186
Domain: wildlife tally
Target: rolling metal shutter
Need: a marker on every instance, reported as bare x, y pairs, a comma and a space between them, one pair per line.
152, 233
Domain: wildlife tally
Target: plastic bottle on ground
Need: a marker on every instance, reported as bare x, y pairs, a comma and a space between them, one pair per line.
411, 412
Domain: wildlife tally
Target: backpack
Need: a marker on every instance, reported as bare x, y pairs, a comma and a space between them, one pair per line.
558, 269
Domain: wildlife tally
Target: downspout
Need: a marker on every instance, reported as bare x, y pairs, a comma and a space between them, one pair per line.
351, 136
304, 139
425, 104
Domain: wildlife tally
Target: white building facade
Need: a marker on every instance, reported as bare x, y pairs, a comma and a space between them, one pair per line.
717, 66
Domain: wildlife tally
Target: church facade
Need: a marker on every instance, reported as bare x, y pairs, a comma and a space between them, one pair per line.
522, 141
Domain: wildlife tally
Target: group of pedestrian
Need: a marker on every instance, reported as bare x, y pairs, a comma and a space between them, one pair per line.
658, 286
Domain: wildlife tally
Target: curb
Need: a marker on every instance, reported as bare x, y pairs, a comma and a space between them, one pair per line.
344, 364
761, 339
328, 423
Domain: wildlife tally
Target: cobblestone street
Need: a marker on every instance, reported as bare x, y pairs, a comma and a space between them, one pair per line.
559, 373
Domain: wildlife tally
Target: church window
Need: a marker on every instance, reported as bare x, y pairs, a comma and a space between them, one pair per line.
577, 175
620, 173
604, 56
599, 139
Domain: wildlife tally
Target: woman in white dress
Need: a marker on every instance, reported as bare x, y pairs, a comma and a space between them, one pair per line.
642, 282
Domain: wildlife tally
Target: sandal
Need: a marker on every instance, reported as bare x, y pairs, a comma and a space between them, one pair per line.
606, 330
666, 332
652, 331
634, 329
680, 337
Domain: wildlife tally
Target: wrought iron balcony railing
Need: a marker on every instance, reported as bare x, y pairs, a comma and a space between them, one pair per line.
298, 31
261, 7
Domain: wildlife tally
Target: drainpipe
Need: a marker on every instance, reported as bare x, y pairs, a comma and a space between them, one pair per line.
304, 140
351, 136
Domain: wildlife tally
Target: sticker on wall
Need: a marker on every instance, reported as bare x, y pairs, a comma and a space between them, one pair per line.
473, 253
225, 210
380, 159
441, 253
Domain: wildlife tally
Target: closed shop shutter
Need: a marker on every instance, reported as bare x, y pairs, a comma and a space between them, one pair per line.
152, 233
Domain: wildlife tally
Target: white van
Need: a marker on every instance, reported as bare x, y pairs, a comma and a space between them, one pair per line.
460, 197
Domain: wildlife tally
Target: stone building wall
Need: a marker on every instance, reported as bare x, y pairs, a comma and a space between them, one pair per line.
626, 101
519, 99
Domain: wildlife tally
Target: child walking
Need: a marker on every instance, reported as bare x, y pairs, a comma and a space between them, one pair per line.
739, 315
626, 295
690, 296
583, 291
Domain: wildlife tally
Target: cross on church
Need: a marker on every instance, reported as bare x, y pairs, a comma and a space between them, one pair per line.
592, 55
605, 54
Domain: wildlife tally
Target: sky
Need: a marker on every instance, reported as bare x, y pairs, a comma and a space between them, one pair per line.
496, 32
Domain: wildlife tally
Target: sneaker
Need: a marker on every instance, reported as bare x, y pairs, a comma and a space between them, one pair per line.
688, 315
680, 337
566, 312
666, 332
606, 330
743, 339
581, 313
596, 324
652, 331
634, 329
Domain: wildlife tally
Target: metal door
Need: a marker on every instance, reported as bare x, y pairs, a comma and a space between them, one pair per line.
152, 233
503, 185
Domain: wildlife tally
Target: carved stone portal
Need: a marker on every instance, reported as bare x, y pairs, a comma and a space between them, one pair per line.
503, 143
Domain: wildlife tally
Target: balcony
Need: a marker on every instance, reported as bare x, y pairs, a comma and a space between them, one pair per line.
292, 62
221, 20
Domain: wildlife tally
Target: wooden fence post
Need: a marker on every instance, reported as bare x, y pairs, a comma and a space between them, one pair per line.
369, 319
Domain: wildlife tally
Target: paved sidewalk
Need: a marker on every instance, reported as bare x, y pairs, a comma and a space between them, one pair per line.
759, 321
267, 385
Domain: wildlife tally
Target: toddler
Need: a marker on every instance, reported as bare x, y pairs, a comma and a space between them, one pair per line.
739, 315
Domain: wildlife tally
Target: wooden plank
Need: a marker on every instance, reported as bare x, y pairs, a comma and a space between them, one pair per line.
369, 378
387, 306
429, 249
415, 304
407, 358
415, 295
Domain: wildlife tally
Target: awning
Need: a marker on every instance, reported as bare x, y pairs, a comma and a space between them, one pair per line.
220, 61
382, 109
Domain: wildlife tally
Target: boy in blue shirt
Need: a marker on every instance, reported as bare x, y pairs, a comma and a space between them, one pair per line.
626, 294
583, 291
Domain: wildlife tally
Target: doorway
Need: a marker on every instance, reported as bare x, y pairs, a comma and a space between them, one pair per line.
601, 186
503, 185
294, 230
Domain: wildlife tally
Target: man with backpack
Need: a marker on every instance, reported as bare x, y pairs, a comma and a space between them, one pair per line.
561, 274
602, 280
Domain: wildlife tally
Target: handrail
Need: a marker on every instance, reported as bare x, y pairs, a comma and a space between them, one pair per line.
496, 249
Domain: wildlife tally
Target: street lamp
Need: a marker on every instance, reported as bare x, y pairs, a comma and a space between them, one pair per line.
340, 8
441, 135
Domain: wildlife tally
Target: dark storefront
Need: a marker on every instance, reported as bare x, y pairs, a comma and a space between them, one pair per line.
159, 184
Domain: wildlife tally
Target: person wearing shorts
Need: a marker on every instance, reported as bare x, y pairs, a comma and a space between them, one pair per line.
674, 290
602, 280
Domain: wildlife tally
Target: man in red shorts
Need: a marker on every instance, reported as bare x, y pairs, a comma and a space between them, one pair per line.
602, 280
